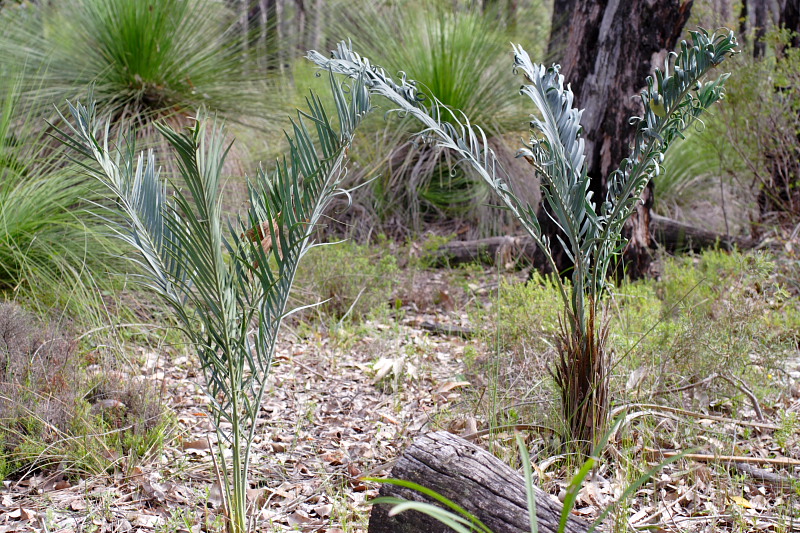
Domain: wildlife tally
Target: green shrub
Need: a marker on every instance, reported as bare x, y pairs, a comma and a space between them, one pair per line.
349, 279
53, 411
524, 317
720, 312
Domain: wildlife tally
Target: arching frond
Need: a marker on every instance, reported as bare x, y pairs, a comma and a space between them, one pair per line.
227, 284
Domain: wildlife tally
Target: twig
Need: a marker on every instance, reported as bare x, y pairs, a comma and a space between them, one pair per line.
687, 387
739, 384
446, 329
668, 507
766, 476
518, 427
708, 458
693, 414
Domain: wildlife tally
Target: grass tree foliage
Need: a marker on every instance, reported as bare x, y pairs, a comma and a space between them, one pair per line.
227, 285
145, 60
444, 45
52, 252
672, 100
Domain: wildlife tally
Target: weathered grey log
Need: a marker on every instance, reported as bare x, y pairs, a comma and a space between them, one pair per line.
492, 250
676, 236
471, 477
670, 234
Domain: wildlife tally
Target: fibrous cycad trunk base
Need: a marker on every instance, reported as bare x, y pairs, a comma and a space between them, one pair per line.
581, 374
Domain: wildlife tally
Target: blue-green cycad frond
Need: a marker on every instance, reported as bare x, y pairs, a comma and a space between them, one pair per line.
557, 153
134, 185
560, 122
228, 284
672, 100
448, 128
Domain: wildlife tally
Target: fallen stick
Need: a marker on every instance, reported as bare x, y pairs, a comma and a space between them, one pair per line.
709, 458
766, 476
760, 425
447, 330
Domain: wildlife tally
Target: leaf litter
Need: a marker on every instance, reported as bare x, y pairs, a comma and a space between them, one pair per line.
340, 408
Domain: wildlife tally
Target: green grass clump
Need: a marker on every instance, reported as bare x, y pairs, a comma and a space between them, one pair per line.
351, 280
53, 251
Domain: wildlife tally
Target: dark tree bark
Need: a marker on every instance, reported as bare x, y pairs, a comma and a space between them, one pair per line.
790, 19
778, 198
470, 477
760, 16
607, 49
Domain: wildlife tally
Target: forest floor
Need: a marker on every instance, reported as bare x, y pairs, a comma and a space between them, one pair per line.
345, 402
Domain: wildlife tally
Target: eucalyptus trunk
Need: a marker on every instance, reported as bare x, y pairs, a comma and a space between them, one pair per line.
606, 49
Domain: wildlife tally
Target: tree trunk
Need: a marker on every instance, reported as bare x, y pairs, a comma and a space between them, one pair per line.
470, 477
608, 49
778, 199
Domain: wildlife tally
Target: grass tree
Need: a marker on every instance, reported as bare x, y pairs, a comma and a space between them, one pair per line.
52, 252
227, 284
145, 60
442, 44
672, 100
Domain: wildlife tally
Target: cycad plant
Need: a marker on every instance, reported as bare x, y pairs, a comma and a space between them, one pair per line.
227, 284
671, 101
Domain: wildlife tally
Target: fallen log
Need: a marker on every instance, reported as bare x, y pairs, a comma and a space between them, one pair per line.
471, 477
491, 250
677, 237
673, 236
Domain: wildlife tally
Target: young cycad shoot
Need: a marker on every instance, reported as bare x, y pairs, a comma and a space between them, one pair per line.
672, 100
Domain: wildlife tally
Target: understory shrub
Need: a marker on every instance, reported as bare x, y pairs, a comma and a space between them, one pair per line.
350, 280
524, 317
56, 408
717, 313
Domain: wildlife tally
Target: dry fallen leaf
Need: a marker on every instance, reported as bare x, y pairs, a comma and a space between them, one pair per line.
450, 385
741, 502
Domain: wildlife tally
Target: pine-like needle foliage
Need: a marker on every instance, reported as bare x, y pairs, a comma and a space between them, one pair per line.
673, 99
227, 285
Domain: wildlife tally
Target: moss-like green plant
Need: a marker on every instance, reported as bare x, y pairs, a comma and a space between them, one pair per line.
228, 287
673, 99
